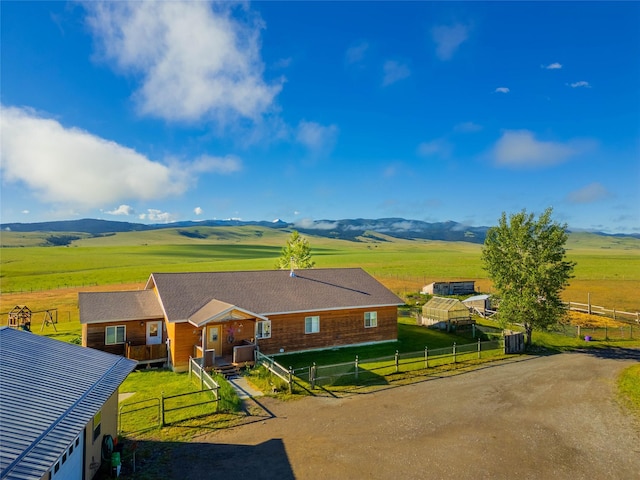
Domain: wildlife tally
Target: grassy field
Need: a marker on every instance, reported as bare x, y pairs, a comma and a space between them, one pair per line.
608, 268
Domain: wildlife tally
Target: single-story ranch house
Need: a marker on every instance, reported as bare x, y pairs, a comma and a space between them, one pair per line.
228, 314
58, 406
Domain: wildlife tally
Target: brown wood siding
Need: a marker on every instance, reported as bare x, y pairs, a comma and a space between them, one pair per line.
337, 328
94, 335
185, 337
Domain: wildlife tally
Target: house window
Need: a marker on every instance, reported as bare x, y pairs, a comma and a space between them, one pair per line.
370, 319
115, 334
312, 324
97, 421
263, 329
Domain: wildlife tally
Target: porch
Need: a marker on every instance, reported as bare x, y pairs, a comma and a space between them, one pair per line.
147, 354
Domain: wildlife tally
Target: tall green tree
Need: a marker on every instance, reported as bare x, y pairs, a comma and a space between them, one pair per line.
525, 258
296, 253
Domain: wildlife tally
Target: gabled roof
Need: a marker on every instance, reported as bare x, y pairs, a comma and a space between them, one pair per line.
50, 391
268, 292
440, 303
217, 311
98, 307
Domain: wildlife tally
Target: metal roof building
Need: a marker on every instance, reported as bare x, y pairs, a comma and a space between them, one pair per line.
50, 392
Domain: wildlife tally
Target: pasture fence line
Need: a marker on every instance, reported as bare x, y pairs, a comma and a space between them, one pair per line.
590, 309
623, 332
373, 370
151, 408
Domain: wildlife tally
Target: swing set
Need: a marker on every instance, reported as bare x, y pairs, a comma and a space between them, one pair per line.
20, 317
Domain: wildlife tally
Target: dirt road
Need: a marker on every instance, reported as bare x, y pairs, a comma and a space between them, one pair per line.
538, 418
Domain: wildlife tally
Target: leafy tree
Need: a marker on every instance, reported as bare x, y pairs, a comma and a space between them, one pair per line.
296, 251
526, 260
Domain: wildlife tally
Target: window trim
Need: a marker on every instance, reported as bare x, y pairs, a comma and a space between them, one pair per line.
372, 320
265, 329
115, 334
314, 321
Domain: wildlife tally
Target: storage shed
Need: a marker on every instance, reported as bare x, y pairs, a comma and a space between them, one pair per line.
445, 314
450, 288
479, 303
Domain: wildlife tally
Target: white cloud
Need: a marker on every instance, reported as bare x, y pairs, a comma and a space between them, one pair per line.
356, 53
438, 146
220, 165
579, 84
589, 194
26, 212
501, 90
122, 210
552, 66
71, 166
519, 148
195, 60
319, 225
157, 216
317, 138
467, 127
394, 71
197, 211
448, 39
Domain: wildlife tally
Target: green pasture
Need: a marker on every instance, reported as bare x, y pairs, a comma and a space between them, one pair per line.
607, 267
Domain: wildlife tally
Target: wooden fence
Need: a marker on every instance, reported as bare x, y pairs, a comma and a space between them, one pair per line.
274, 367
605, 312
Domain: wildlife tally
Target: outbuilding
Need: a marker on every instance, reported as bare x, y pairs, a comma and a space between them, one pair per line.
445, 314
58, 406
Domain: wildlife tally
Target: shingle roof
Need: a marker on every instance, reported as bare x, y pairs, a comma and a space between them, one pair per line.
98, 307
49, 391
271, 291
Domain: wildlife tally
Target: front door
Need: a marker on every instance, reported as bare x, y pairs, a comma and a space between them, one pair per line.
214, 342
154, 333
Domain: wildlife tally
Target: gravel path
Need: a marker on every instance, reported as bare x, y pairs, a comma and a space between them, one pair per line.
538, 418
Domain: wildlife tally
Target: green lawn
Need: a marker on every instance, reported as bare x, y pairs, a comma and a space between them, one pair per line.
143, 390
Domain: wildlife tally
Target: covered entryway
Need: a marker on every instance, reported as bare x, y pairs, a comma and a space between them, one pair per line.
225, 331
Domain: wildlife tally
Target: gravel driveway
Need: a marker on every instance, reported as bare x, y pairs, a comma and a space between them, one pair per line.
547, 417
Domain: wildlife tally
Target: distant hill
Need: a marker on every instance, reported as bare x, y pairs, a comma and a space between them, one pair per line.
348, 229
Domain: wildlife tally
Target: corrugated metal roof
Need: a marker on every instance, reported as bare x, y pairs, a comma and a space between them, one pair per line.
271, 291
49, 391
98, 307
476, 298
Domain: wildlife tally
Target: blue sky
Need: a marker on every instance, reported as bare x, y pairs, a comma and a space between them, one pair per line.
168, 111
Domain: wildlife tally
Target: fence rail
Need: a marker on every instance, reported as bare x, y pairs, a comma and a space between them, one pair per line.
287, 375
605, 312
374, 369
151, 408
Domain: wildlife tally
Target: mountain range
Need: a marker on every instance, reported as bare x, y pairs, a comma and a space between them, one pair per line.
347, 229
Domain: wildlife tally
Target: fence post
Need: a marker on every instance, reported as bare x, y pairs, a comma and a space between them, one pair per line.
162, 409
216, 393
356, 365
312, 374
290, 379
454, 352
606, 336
578, 331
426, 357
479, 347
397, 363
202, 377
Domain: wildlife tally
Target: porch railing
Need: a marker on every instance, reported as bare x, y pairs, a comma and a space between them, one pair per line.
145, 354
